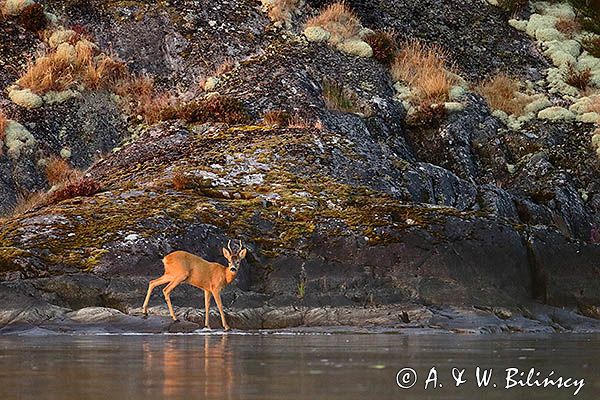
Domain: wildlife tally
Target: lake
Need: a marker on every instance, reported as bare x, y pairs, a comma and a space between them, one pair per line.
288, 365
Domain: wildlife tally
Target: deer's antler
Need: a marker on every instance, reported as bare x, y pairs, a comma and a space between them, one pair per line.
229, 246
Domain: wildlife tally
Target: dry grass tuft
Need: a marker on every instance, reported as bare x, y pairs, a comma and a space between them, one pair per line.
578, 79
592, 46
180, 181
339, 98
282, 10
81, 187
59, 171
570, 27
502, 93
29, 201
338, 19
594, 105
141, 99
276, 118
384, 45
219, 108
3, 123
425, 69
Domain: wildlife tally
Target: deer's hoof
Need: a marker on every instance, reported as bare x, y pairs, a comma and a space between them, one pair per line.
145, 315
176, 320
226, 329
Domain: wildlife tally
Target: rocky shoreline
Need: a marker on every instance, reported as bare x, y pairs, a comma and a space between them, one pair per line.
398, 319
364, 200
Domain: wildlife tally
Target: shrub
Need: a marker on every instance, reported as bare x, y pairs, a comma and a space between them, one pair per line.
383, 43
82, 187
180, 181
424, 69
339, 98
216, 108
338, 19
51, 71
33, 18
29, 201
501, 93
427, 114
3, 123
578, 79
139, 98
592, 45
69, 64
276, 118
59, 171
282, 10
569, 27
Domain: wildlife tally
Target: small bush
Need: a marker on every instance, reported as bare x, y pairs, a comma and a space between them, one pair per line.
180, 181
338, 19
578, 79
3, 123
276, 118
33, 18
339, 98
216, 108
140, 99
59, 171
501, 93
29, 201
82, 187
592, 46
427, 114
570, 27
383, 43
282, 10
424, 68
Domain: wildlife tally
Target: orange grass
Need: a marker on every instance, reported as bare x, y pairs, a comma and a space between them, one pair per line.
338, 19
502, 93
425, 69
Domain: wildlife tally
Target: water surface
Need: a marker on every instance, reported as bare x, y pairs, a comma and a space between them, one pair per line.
287, 366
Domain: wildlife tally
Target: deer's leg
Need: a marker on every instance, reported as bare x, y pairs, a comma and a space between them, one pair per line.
153, 283
217, 296
207, 295
167, 292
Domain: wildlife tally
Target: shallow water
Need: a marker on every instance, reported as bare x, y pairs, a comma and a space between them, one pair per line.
288, 366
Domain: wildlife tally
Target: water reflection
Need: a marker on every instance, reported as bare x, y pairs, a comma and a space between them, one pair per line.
203, 366
274, 367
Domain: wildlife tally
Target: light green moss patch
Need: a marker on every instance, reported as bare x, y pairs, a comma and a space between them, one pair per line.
356, 47
17, 137
25, 98
555, 114
316, 34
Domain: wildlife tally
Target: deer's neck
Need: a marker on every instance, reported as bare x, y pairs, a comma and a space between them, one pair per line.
229, 276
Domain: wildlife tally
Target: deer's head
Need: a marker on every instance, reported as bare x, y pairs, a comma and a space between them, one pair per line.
234, 258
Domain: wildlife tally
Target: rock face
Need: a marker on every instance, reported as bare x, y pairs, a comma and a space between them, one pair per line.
454, 218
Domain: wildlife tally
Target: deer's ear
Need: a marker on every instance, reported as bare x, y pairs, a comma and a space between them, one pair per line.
226, 253
242, 253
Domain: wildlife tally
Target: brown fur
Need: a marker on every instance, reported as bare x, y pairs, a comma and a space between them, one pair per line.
212, 277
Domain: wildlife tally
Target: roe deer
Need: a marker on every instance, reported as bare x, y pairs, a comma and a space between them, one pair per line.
212, 277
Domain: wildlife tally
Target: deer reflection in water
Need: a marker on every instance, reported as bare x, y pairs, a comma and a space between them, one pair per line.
203, 369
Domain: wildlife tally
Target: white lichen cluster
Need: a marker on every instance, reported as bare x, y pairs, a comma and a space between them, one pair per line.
565, 52
354, 45
17, 138
59, 42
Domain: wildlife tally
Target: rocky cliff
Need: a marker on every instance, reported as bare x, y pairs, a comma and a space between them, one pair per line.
359, 204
